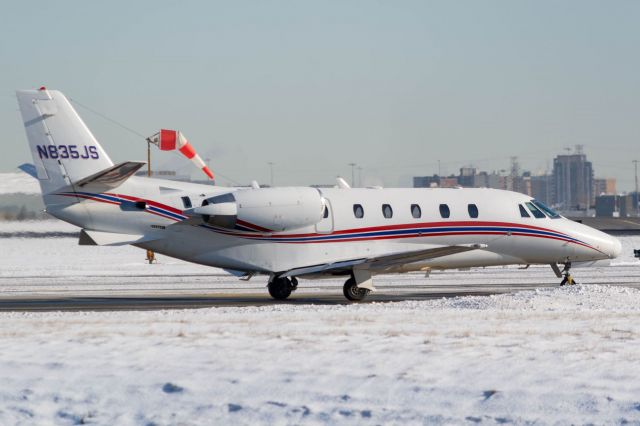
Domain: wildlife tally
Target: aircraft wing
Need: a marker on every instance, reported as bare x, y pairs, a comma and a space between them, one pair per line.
384, 261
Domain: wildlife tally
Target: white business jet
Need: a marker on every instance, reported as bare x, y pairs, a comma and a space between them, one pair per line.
290, 233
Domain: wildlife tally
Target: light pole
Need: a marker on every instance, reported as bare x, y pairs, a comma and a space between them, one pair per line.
271, 164
635, 163
353, 174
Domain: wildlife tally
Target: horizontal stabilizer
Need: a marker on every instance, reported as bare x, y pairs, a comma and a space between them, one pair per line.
29, 169
109, 178
99, 238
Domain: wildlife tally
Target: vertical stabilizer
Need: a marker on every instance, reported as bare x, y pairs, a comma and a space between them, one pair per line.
64, 150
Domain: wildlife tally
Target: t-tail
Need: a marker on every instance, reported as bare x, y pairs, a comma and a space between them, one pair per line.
64, 150
67, 157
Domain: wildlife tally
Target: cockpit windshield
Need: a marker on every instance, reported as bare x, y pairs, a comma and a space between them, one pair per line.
547, 210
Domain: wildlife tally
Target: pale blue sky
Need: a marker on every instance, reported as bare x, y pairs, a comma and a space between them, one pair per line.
312, 86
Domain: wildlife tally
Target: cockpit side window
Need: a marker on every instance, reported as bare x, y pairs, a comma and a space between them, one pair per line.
535, 211
547, 210
523, 211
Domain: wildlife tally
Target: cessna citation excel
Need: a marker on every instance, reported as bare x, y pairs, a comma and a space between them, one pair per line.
291, 233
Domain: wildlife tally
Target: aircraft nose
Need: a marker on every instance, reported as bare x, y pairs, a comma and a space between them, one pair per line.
615, 247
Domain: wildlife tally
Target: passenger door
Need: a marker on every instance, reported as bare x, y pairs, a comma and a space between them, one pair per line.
325, 226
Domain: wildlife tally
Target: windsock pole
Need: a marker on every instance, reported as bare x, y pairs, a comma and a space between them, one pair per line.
151, 256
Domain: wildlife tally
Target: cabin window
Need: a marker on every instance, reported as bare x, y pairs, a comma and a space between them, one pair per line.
548, 211
523, 211
325, 214
186, 202
387, 211
473, 210
415, 211
358, 211
444, 211
535, 211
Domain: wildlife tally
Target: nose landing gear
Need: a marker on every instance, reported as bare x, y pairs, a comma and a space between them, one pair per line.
568, 279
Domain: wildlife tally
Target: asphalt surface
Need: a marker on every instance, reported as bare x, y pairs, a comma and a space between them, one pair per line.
330, 296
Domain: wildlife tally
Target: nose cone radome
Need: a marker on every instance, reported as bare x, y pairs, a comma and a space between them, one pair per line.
597, 244
615, 248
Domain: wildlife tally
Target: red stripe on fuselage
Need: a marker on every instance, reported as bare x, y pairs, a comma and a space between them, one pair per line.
149, 202
426, 225
252, 226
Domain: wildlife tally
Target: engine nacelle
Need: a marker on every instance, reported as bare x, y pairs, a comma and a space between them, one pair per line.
264, 209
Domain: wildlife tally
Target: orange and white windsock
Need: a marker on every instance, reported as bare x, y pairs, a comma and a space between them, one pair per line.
171, 140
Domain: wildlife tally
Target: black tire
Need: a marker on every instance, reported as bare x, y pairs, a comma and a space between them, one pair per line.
352, 292
280, 288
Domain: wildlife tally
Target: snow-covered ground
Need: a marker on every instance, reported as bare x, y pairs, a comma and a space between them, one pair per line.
567, 356
553, 355
18, 183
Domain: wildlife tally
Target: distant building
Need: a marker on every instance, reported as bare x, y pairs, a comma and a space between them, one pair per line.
426, 181
635, 204
165, 174
606, 186
573, 178
543, 189
520, 184
570, 187
467, 177
449, 182
614, 206
173, 175
481, 180
497, 181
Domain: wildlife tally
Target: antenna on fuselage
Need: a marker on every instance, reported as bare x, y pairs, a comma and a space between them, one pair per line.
342, 184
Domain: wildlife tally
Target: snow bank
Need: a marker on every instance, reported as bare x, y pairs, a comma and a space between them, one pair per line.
568, 355
18, 183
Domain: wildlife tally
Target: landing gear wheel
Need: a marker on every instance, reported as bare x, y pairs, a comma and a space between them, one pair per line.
568, 279
353, 292
280, 288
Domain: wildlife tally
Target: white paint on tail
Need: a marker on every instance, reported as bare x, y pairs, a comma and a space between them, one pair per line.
64, 150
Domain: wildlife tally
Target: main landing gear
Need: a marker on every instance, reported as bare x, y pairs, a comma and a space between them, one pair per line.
568, 279
281, 287
353, 292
